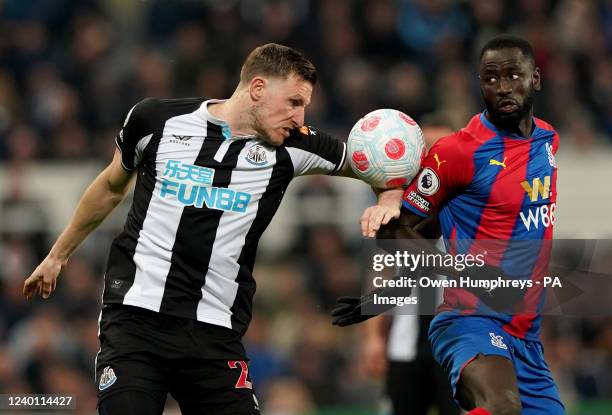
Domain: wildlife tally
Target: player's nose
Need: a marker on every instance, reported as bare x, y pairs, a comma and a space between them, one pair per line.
505, 87
298, 117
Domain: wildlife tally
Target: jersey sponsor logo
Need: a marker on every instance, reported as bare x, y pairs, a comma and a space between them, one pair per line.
107, 378
551, 157
191, 185
428, 182
438, 162
257, 156
544, 215
418, 201
498, 341
537, 187
494, 162
176, 169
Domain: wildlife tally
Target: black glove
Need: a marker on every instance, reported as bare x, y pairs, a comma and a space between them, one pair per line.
349, 309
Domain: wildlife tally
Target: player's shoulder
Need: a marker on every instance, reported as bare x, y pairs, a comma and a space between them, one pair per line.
546, 129
456, 145
544, 125
152, 112
153, 105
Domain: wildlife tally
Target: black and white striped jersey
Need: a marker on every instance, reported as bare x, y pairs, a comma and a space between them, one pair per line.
202, 201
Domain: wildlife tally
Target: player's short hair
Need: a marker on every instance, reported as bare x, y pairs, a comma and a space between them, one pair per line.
509, 42
277, 60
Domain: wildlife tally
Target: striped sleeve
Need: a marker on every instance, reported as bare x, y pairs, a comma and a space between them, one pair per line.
136, 132
315, 152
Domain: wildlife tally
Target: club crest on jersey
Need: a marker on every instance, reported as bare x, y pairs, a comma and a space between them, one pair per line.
498, 341
107, 378
428, 182
551, 157
257, 156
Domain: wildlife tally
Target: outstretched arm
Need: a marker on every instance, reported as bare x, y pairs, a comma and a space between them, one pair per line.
346, 170
100, 198
377, 221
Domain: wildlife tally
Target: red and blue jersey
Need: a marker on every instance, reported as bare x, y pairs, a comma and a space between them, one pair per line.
488, 184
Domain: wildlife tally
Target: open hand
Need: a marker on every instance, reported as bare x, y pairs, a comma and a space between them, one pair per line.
44, 279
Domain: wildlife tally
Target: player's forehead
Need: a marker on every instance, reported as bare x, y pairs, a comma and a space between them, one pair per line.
495, 59
295, 86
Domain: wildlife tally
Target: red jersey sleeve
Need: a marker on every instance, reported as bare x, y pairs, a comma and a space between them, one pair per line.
447, 169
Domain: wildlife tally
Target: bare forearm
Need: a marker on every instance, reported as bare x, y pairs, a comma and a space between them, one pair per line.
100, 198
377, 327
389, 197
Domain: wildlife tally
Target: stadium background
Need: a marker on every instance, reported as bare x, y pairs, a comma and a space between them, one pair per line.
70, 69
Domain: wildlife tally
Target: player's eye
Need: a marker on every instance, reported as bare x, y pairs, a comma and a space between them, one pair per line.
491, 79
515, 76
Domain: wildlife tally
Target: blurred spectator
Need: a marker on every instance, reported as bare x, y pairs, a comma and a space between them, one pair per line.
266, 363
288, 397
424, 24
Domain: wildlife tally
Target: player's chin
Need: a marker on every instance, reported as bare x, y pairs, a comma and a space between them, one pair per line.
508, 118
277, 138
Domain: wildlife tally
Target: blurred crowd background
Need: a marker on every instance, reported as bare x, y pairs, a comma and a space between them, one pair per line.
70, 69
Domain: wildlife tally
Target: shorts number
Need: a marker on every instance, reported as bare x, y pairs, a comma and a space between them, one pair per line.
242, 383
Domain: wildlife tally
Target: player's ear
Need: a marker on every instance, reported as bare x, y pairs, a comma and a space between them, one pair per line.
536, 79
257, 88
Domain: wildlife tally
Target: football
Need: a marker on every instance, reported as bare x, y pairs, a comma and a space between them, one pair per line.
386, 148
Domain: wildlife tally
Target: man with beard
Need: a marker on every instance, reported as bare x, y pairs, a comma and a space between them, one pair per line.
493, 180
178, 287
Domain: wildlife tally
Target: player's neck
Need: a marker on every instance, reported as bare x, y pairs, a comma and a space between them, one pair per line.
236, 113
524, 128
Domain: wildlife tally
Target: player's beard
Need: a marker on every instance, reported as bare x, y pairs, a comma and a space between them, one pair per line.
510, 121
257, 124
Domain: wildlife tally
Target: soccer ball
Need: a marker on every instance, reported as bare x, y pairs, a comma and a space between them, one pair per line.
386, 148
